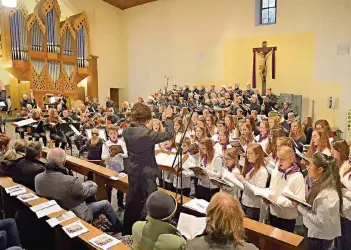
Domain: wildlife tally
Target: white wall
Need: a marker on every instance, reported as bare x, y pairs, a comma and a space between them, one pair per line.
184, 38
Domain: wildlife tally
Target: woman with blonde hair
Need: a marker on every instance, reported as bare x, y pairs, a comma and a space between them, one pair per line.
286, 177
224, 226
211, 165
253, 174
231, 168
94, 146
155, 125
273, 122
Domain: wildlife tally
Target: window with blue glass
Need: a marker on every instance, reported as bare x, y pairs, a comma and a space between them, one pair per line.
268, 11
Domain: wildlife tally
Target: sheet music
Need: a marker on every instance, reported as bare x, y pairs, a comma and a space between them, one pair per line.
288, 194
24, 122
27, 197
191, 226
61, 218
104, 241
265, 193
197, 205
303, 156
75, 229
227, 176
75, 130
2, 104
166, 159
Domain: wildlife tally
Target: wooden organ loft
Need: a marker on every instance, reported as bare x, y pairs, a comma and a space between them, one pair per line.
52, 56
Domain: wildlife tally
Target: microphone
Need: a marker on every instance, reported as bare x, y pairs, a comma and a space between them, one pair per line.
10, 111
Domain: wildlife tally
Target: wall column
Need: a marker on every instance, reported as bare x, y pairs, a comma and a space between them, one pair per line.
93, 82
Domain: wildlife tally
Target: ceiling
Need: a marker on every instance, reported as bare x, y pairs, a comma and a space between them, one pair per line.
125, 4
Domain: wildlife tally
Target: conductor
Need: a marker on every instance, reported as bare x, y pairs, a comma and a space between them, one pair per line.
141, 165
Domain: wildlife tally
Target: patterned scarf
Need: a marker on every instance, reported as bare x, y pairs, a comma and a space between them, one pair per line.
205, 160
292, 170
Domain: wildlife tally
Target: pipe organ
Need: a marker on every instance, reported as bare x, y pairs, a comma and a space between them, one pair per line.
51, 53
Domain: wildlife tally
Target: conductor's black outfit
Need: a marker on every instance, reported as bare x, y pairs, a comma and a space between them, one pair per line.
141, 168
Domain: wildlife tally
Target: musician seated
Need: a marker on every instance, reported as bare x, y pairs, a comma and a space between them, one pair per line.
225, 226
254, 114
55, 129
101, 110
27, 168
59, 109
29, 109
68, 134
111, 117
109, 103
24, 115
158, 232
24, 101
70, 192
38, 128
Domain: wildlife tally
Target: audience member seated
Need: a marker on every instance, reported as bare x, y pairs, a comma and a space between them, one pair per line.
225, 228
9, 238
70, 192
8, 164
27, 168
20, 146
4, 145
157, 233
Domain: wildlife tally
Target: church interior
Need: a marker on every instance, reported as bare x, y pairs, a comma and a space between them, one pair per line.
222, 79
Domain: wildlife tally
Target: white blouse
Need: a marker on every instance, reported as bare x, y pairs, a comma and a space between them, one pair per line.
259, 179
186, 173
218, 149
295, 184
214, 169
323, 220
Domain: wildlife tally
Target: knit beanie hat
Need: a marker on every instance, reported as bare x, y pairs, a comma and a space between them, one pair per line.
161, 206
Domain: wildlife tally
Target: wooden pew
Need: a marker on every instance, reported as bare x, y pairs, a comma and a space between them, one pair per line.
265, 237
62, 241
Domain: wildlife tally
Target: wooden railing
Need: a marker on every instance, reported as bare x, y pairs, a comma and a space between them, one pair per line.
265, 237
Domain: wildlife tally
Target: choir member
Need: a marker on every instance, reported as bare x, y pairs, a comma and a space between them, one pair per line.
288, 178
253, 174
184, 177
340, 151
263, 137
178, 129
231, 169
246, 138
212, 166
223, 144
200, 134
211, 124
231, 125
297, 134
319, 143
251, 121
114, 161
255, 105
307, 128
322, 221
344, 241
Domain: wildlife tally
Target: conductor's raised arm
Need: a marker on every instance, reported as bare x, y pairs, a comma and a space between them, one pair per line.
158, 137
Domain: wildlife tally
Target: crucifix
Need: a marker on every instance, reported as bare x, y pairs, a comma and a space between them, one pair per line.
264, 52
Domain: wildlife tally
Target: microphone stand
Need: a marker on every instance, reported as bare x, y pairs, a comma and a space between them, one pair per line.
179, 155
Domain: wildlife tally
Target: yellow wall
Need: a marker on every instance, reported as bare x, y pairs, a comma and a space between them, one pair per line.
294, 70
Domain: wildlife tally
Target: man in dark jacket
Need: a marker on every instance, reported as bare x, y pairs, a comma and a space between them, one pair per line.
141, 165
29, 166
186, 92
